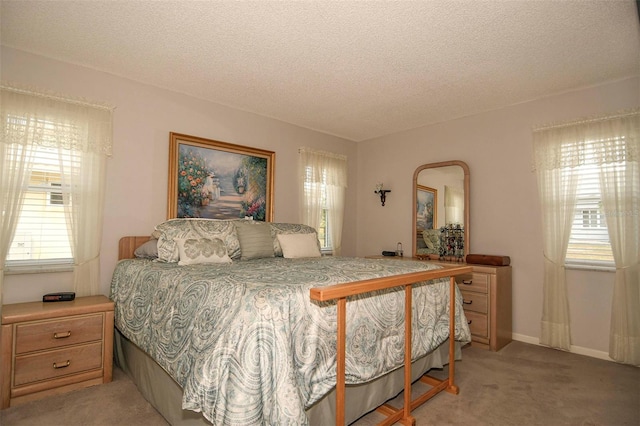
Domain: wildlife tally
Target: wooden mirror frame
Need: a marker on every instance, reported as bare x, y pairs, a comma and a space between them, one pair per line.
465, 169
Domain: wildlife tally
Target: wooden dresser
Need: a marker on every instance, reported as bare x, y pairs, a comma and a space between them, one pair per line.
55, 347
486, 294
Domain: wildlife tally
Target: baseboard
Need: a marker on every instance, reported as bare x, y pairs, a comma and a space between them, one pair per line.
574, 349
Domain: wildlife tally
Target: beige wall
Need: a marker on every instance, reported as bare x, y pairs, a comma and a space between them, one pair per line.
505, 215
496, 145
137, 172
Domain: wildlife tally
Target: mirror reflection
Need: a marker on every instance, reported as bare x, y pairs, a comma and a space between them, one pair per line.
441, 211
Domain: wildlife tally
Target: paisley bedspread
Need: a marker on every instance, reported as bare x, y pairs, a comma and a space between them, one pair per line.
248, 346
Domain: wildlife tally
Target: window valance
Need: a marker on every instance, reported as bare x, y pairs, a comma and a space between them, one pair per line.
54, 121
597, 141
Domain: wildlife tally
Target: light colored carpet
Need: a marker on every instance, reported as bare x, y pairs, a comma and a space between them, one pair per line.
520, 385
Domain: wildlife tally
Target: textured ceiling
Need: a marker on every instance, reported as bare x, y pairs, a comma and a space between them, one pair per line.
355, 69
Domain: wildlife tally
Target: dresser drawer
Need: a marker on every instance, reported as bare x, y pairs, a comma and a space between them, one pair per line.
476, 302
478, 323
474, 282
58, 362
56, 333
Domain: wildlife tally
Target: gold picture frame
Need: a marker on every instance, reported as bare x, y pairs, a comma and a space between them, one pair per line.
426, 207
426, 216
219, 180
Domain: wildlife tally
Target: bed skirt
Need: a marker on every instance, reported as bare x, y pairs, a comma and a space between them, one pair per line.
165, 395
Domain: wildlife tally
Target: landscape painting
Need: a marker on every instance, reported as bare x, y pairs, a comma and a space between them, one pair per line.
219, 180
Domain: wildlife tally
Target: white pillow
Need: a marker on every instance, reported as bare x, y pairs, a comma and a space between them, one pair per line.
201, 250
299, 245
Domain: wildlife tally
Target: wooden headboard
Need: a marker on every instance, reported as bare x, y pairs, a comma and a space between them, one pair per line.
127, 245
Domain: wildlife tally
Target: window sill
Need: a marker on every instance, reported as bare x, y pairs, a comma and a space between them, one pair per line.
590, 267
38, 269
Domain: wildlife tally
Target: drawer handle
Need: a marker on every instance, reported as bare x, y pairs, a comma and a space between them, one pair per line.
62, 336
65, 365
469, 322
467, 302
467, 282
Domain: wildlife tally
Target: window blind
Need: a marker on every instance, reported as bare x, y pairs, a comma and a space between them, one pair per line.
589, 242
41, 235
316, 194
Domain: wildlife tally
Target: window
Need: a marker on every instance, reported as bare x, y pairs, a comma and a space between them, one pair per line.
53, 157
591, 218
589, 241
324, 180
575, 165
318, 193
55, 197
41, 236
324, 233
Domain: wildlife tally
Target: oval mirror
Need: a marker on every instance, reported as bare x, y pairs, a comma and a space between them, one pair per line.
441, 211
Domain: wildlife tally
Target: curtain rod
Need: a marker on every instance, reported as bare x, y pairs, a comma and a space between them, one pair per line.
55, 97
621, 114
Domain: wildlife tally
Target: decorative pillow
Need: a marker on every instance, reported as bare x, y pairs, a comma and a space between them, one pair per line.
195, 228
299, 245
255, 239
201, 250
289, 228
432, 238
148, 250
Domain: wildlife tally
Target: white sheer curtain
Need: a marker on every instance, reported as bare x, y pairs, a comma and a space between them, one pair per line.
14, 177
82, 133
86, 179
324, 183
611, 144
619, 158
557, 191
453, 204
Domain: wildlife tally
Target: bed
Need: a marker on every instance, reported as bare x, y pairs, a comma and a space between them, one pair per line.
263, 339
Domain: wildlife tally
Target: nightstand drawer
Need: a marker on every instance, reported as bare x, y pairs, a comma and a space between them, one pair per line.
476, 302
59, 362
57, 333
474, 282
478, 323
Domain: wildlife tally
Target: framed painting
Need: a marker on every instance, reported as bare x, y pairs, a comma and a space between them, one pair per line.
426, 207
218, 180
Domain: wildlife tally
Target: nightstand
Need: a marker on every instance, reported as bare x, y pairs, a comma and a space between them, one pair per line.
55, 347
